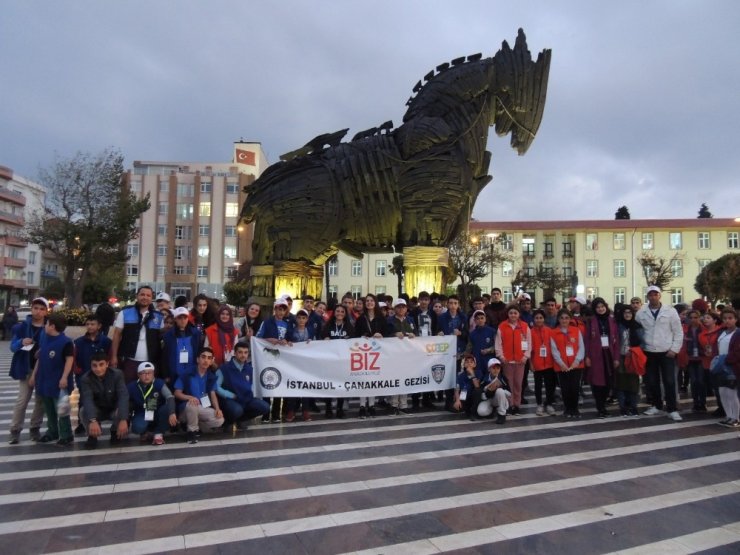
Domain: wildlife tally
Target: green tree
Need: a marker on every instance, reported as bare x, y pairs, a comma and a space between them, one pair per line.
237, 292
90, 216
704, 212
720, 279
103, 281
622, 213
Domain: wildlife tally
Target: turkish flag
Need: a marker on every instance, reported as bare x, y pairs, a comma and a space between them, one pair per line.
245, 157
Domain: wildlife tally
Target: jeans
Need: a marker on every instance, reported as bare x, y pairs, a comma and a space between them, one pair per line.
548, 378
570, 383
698, 385
661, 367
236, 410
159, 425
627, 401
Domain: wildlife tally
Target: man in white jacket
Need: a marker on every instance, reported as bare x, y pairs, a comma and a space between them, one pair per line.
663, 339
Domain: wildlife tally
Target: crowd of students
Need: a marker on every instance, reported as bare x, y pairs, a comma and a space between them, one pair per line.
167, 368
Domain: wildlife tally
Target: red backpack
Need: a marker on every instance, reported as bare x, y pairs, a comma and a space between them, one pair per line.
635, 361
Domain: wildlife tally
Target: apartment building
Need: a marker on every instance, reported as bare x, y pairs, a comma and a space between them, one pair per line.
599, 256
190, 239
20, 262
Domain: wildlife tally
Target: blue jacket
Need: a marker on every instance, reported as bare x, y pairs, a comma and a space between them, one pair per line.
482, 337
85, 348
447, 324
51, 365
159, 395
233, 383
269, 329
21, 365
176, 341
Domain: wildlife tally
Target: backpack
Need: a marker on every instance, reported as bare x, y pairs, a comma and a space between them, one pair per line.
635, 361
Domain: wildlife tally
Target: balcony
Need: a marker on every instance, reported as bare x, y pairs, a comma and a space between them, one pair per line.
49, 274
14, 240
184, 278
12, 196
14, 283
14, 262
7, 217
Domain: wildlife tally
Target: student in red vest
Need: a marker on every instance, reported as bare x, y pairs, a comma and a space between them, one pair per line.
542, 364
513, 348
568, 353
222, 335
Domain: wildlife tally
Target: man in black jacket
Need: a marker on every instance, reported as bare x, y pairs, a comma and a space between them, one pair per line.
103, 396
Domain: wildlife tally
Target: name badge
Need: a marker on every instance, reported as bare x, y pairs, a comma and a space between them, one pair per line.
463, 394
695, 352
569, 351
525, 345
604, 340
149, 415
205, 401
543, 351
184, 357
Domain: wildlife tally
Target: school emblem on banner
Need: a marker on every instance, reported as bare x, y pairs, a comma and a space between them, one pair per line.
270, 377
438, 372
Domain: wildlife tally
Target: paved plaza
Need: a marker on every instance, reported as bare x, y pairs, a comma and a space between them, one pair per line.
426, 483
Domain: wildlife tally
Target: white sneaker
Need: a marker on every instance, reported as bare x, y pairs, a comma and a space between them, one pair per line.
675, 416
652, 411
540, 410
550, 410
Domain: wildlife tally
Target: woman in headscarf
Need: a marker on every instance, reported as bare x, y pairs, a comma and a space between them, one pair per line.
222, 336
602, 353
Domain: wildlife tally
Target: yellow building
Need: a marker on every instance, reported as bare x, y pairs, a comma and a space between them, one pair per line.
602, 255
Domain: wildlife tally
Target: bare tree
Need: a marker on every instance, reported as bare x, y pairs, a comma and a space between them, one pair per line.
657, 270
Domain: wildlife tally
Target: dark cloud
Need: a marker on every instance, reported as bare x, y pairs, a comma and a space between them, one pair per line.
642, 107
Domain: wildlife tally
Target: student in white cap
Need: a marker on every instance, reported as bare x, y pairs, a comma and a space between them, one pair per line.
496, 393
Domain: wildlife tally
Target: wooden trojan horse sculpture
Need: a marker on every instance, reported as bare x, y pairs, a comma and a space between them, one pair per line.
411, 188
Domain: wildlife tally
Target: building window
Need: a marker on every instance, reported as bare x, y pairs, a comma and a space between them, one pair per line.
506, 295
203, 251
32, 257
30, 277
732, 240
183, 252
181, 270
592, 293
356, 291
356, 268
232, 209
647, 241
333, 267
132, 250
704, 240
185, 190
529, 271
381, 267
567, 272
162, 211
703, 263
132, 270
528, 245
592, 242
229, 252
620, 294
230, 231
162, 230
592, 268
202, 271
380, 289
674, 240
332, 291
204, 230
204, 209
230, 272
183, 232
164, 186
677, 268
232, 188
205, 187
161, 250
619, 242
161, 270
568, 242
549, 249
620, 268
507, 268
507, 242
184, 210
677, 295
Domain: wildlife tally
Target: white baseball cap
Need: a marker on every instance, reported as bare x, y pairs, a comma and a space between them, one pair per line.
144, 366
654, 289
162, 296
180, 311
399, 302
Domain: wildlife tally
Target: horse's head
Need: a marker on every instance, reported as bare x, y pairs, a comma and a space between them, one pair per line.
518, 92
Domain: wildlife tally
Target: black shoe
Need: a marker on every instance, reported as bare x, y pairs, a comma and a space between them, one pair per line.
371, 412
611, 401
400, 412
524, 401
46, 438
35, 434
91, 443
80, 430
719, 413
427, 403
113, 437
501, 419
515, 411
192, 438
266, 419
15, 437
603, 414
363, 413
65, 442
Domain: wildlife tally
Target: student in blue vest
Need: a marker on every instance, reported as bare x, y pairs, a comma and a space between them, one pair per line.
152, 406
53, 374
103, 397
181, 346
24, 345
136, 334
198, 404
85, 347
234, 388
453, 322
482, 341
276, 330
468, 388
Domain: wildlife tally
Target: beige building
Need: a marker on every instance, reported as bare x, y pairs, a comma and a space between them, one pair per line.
599, 256
190, 240
20, 262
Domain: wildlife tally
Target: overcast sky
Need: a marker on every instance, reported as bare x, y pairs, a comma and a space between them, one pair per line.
643, 105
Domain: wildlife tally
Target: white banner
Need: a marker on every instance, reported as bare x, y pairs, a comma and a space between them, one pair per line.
353, 367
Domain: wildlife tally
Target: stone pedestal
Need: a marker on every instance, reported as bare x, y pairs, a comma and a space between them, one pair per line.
423, 267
